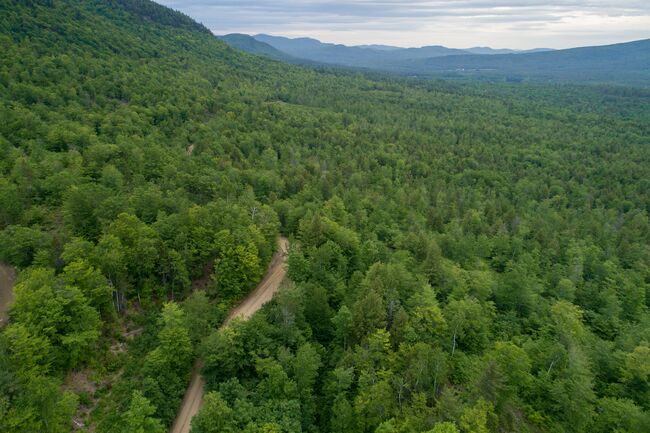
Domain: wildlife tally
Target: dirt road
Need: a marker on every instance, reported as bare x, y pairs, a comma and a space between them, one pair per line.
262, 294
7, 279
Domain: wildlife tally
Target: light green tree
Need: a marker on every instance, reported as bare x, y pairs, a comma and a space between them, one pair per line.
139, 417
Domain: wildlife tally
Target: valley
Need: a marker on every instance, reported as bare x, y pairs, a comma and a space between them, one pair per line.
619, 64
467, 255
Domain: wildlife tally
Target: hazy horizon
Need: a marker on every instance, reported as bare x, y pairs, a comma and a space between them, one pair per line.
421, 46
453, 23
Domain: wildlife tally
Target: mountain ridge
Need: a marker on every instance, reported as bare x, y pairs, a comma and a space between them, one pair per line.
251, 45
626, 63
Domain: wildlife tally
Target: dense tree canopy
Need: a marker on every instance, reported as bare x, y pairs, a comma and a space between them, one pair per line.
465, 257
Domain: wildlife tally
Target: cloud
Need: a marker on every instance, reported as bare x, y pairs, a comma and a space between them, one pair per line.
456, 23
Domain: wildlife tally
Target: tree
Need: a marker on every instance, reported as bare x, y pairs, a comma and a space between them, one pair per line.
138, 418
79, 209
619, 415
374, 402
427, 319
40, 407
60, 313
175, 347
468, 324
214, 417
200, 315
92, 284
475, 419
10, 203
305, 367
571, 394
29, 355
21, 244
444, 427
318, 312
425, 368
140, 247
167, 367
368, 315
236, 269
393, 283
343, 325
174, 272
342, 419
223, 354
636, 373
275, 383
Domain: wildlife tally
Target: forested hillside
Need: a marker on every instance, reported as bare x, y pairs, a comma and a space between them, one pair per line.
251, 45
365, 57
464, 258
626, 64
623, 64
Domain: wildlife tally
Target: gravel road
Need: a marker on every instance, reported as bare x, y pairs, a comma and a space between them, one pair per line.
262, 294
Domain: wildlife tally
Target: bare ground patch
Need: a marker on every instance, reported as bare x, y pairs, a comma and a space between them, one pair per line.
7, 280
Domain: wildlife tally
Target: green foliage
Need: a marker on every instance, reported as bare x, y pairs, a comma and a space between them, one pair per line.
138, 418
166, 368
60, 313
444, 427
20, 245
215, 417
466, 257
237, 269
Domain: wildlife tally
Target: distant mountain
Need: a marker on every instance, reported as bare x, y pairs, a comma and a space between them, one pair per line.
492, 51
423, 53
536, 50
626, 63
373, 57
369, 56
314, 50
251, 45
489, 51
473, 50
379, 47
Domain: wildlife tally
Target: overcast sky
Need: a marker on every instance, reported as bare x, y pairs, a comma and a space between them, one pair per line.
453, 23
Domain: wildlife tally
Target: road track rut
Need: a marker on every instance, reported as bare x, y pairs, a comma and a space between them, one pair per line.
263, 293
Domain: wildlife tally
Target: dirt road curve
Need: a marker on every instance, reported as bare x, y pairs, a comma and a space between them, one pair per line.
7, 279
262, 294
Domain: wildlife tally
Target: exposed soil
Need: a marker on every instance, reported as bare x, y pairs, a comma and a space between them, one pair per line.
192, 402
262, 294
79, 382
266, 288
202, 282
7, 280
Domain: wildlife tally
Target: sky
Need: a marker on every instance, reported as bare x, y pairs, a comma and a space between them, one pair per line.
518, 24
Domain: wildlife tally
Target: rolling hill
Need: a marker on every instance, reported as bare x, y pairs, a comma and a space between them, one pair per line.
465, 257
251, 45
625, 63
362, 57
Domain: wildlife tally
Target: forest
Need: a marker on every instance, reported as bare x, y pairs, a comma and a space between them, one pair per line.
465, 257
624, 64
